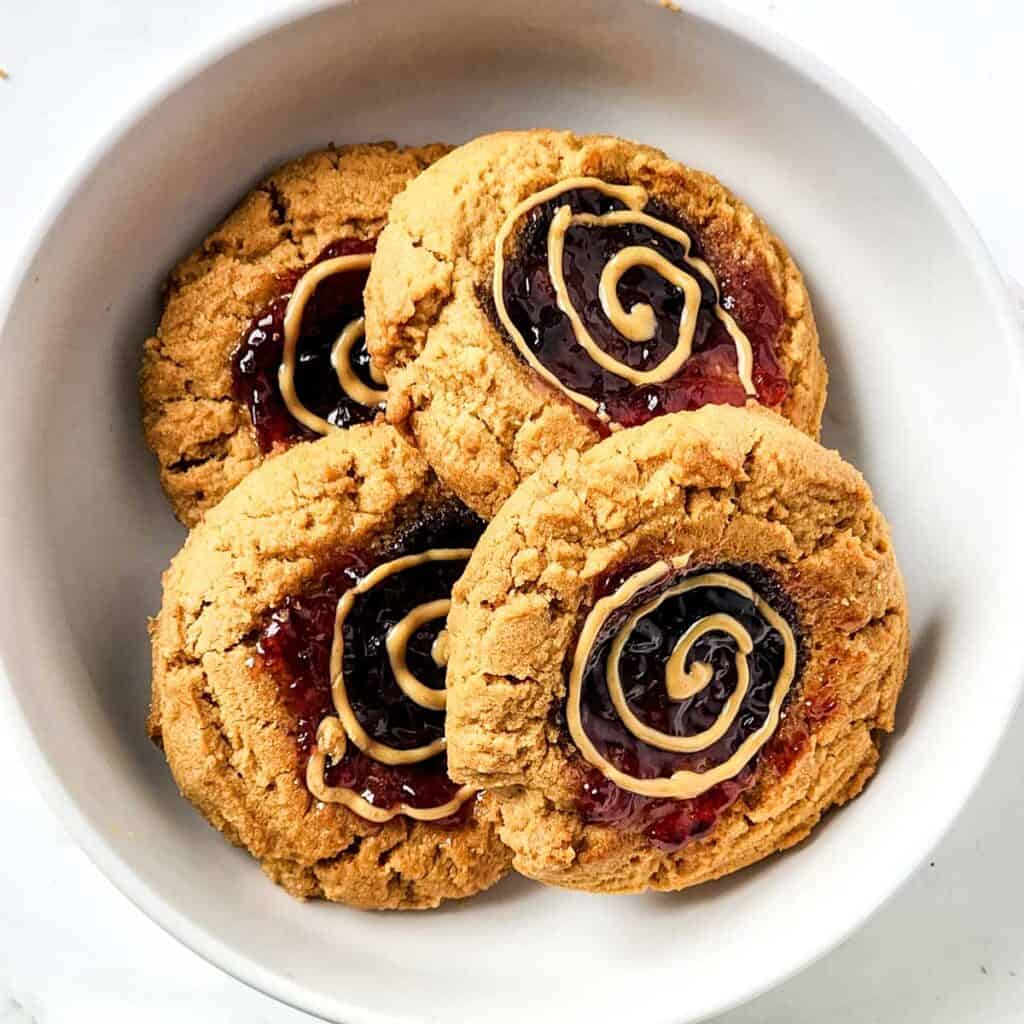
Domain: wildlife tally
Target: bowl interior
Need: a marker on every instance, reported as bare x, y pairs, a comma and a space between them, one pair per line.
914, 329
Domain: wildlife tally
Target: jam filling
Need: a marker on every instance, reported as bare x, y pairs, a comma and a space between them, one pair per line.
709, 376
295, 648
337, 301
671, 823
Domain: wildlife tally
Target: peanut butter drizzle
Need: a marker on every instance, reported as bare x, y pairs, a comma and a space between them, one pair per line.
350, 383
331, 740
439, 649
635, 325
335, 732
680, 683
397, 643
341, 360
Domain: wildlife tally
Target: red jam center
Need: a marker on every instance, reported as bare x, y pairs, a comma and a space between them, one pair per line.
709, 376
337, 301
669, 823
295, 646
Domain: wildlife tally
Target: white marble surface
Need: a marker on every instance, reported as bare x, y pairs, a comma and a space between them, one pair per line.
949, 947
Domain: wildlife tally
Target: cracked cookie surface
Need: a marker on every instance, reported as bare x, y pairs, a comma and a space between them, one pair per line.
232, 742
483, 416
201, 433
717, 487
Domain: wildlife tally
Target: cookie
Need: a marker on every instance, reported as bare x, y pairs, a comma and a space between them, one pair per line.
222, 386
674, 652
298, 676
535, 290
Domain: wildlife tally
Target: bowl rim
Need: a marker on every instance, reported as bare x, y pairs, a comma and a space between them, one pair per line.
750, 30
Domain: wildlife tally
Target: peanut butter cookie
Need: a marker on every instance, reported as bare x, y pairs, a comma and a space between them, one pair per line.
534, 290
299, 672
674, 652
260, 344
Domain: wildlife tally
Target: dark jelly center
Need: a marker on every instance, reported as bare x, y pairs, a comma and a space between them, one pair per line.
670, 823
295, 646
337, 301
708, 376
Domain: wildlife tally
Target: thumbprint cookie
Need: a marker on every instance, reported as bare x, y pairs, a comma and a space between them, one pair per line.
672, 653
536, 290
261, 342
299, 663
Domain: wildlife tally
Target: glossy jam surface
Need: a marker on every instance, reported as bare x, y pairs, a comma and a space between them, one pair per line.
708, 376
337, 301
295, 647
669, 823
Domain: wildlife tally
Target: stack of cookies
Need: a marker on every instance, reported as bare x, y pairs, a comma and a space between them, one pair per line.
512, 545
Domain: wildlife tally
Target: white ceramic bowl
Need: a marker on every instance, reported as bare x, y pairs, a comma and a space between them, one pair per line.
926, 397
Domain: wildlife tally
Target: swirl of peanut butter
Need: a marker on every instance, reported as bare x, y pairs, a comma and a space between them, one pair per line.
681, 682
340, 352
634, 325
337, 731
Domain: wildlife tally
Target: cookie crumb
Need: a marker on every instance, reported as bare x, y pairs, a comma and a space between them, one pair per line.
4, 73
670, 6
